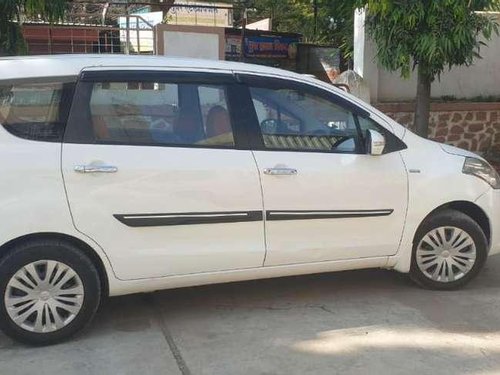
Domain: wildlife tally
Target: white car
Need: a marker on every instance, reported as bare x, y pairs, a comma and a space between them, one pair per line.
132, 174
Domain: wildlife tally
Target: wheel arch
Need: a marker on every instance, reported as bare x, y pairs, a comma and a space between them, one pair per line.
468, 208
82, 245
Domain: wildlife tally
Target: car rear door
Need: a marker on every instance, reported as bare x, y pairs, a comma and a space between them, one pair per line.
156, 172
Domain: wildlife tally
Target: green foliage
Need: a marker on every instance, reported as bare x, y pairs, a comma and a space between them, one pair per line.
433, 34
11, 40
12, 13
334, 24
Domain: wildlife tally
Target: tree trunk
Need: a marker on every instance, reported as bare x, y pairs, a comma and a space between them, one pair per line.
423, 104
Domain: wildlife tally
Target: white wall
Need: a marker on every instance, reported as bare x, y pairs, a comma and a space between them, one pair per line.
363, 56
195, 45
480, 79
265, 24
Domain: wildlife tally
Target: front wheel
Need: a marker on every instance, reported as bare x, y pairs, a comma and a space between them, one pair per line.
49, 289
449, 250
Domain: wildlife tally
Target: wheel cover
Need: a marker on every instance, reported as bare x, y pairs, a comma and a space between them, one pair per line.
446, 254
44, 296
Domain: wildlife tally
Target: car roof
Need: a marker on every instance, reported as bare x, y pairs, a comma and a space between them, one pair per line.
19, 67
71, 65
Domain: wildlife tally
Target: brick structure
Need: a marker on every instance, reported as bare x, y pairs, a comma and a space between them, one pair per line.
468, 125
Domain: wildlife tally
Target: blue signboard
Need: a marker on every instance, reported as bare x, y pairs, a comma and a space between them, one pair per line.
271, 46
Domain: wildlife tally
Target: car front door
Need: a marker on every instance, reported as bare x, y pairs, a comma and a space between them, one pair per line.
325, 198
155, 173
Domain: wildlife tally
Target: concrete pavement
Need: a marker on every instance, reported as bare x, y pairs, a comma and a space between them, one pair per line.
355, 322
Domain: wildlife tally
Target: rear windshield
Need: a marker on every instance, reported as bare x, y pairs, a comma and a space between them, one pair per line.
34, 110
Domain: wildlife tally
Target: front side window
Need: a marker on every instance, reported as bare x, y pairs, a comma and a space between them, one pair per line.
33, 110
160, 114
392, 143
297, 120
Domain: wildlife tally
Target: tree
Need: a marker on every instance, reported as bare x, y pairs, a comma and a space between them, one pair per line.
12, 14
91, 11
333, 24
429, 36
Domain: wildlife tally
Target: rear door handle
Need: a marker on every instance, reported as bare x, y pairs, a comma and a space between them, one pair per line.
96, 169
280, 171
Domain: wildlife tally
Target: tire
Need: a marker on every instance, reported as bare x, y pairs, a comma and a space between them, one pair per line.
66, 301
453, 251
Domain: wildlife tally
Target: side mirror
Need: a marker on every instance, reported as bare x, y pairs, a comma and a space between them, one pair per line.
375, 142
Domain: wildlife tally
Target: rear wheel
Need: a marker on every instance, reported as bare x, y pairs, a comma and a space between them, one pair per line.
50, 290
449, 250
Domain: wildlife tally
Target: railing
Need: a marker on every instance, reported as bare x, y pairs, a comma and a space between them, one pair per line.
134, 36
138, 35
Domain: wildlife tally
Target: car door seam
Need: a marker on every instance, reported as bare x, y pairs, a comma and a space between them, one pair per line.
72, 217
264, 219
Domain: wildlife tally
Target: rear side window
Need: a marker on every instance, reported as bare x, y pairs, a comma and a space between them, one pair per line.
36, 111
156, 113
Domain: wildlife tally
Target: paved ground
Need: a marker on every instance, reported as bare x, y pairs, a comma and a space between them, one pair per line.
346, 323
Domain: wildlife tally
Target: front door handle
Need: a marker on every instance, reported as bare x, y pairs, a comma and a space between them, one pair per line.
280, 171
96, 169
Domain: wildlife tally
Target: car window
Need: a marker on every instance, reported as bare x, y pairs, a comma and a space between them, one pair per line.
267, 110
298, 120
392, 143
160, 114
215, 114
33, 110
